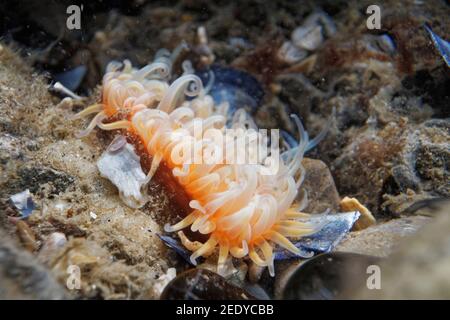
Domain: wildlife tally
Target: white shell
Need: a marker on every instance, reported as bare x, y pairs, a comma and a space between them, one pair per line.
290, 53
123, 168
312, 33
308, 37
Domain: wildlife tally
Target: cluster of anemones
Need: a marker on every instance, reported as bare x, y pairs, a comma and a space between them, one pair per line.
244, 210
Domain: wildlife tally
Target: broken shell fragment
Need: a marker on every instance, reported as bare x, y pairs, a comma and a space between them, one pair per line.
334, 228
123, 168
308, 37
23, 202
386, 43
312, 33
290, 53
441, 45
176, 245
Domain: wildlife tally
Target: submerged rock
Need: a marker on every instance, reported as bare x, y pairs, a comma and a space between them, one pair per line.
22, 277
418, 269
320, 187
381, 240
36, 177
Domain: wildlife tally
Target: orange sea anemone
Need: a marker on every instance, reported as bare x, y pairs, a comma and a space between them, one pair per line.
244, 208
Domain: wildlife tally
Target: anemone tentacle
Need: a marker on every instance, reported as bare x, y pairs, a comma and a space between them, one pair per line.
243, 211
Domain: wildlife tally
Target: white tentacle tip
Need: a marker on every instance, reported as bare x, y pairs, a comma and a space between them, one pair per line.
193, 259
168, 228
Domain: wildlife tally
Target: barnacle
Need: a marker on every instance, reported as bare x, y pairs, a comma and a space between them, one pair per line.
245, 207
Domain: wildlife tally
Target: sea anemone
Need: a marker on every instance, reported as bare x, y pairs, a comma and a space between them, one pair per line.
245, 208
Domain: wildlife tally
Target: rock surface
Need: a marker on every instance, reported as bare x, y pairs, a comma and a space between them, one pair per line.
320, 187
418, 269
23, 277
381, 240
